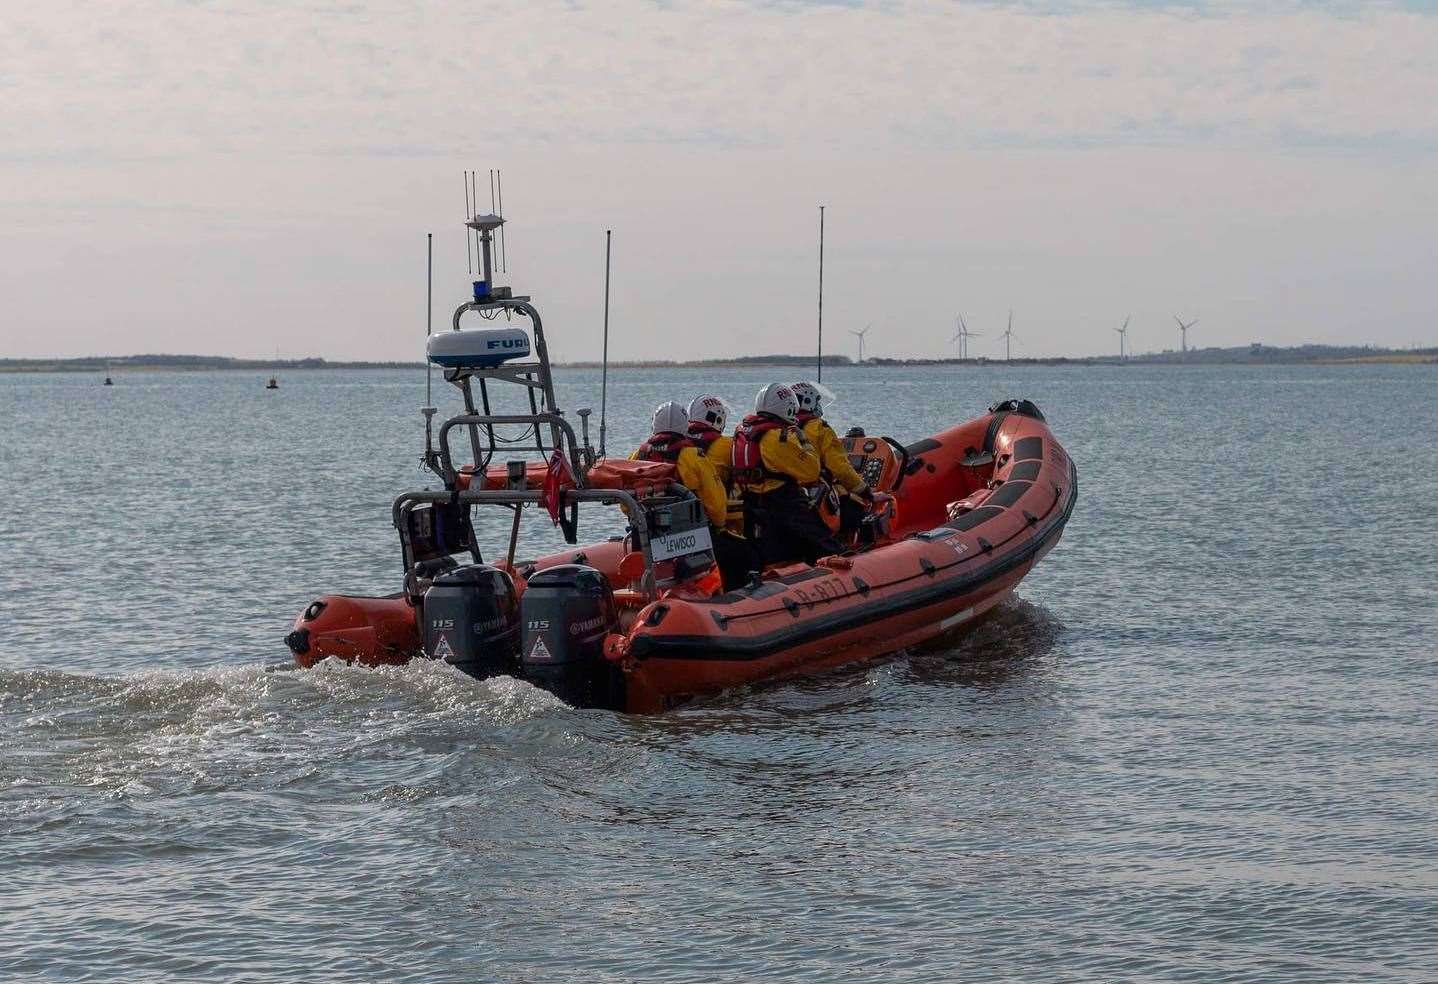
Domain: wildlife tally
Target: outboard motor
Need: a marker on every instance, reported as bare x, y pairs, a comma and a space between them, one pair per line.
568, 610
471, 619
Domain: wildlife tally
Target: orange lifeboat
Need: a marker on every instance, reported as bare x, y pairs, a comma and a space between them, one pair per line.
963, 517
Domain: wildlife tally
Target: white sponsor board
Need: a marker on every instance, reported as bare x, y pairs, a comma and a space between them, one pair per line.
670, 545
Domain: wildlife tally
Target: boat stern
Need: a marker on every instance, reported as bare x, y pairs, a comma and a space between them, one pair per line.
369, 631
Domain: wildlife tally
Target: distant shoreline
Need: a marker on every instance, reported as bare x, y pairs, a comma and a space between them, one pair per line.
1259, 355
186, 363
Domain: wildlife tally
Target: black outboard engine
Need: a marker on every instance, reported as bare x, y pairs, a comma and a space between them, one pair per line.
567, 612
471, 619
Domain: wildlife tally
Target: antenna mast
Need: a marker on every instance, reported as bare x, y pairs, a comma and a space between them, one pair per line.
429, 409
474, 207
503, 236
468, 214
604, 372
819, 369
429, 312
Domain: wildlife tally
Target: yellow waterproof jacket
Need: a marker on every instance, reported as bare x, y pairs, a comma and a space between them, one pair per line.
831, 454
721, 455
696, 473
788, 453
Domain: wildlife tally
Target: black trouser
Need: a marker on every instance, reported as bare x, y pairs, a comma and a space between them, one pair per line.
786, 528
735, 556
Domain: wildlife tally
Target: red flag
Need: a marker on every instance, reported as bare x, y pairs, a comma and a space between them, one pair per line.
557, 477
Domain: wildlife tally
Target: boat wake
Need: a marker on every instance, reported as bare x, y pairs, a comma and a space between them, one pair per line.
1011, 642
77, 737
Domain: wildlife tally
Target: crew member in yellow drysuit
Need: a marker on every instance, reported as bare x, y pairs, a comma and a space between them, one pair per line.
773, 464
696, 472
834, 461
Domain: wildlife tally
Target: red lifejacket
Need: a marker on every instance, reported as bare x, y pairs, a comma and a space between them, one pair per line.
804, 416
746, 459
664, 447
703, 435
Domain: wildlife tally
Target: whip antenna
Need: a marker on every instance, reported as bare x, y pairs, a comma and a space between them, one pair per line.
429, 314
604, 371
819, 369
428, 409
474, 208
503, 252
468, 214
499, 211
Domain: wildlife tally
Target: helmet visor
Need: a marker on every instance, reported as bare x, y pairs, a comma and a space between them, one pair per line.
826, 396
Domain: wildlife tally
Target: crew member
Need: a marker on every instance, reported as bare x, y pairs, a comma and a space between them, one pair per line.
772, 464
833, 459
696, 472
707, 417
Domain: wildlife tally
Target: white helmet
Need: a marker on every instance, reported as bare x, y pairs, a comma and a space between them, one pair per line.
777, 400
670, 418
710, 411
812, 397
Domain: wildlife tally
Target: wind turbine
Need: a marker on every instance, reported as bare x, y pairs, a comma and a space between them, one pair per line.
860, 336
962, 336
1008, 337
1183, 330
1122, 338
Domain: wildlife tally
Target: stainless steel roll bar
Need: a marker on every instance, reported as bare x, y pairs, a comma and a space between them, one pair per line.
556, 422
519, 305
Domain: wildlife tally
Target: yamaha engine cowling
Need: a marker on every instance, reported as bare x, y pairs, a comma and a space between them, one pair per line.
568, 610
471, 619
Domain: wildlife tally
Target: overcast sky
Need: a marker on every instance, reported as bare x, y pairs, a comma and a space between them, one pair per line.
234, 177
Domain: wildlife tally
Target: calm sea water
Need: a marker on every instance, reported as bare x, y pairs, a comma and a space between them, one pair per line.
1201, 746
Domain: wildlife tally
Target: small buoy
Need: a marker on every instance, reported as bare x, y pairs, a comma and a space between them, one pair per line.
273, 384
109, 381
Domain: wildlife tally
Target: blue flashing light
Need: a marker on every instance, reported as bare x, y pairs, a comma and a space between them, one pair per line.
481, 291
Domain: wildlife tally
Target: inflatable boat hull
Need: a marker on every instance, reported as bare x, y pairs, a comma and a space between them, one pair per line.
977, 507
847, 609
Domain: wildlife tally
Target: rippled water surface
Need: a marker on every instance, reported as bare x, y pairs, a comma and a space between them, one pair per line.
1201, 745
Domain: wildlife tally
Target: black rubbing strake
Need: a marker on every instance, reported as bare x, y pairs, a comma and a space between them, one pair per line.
992, 433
